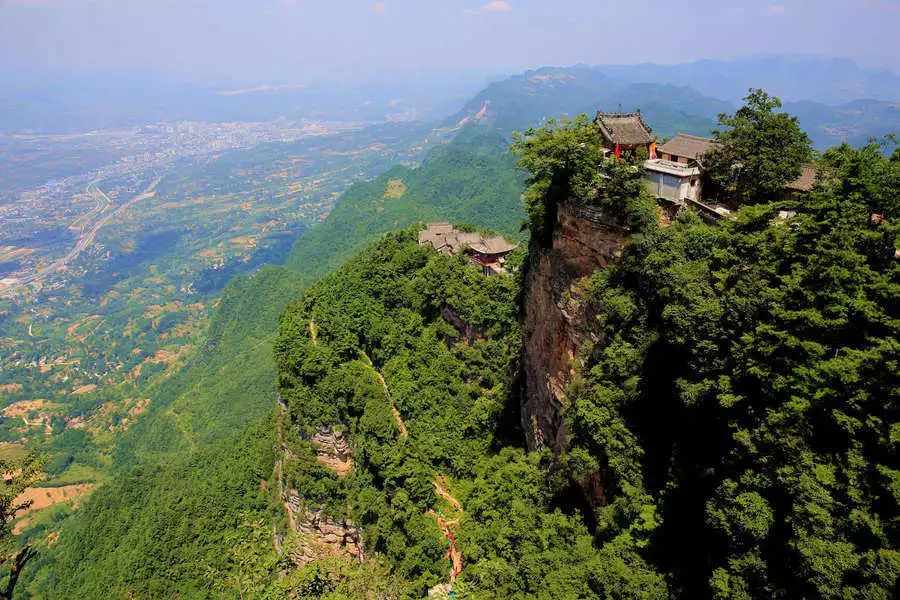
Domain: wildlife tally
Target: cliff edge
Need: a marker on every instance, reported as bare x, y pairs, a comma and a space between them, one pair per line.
556, 318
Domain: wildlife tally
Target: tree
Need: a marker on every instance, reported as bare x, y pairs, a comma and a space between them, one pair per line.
865, 175
565, 159
760, 150
18, 474
554, 155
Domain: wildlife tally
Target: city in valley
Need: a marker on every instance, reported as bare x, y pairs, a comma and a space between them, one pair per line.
41, 220
108, 274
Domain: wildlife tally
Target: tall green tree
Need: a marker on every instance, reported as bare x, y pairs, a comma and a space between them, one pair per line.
556, 158
760, 150
865, 176
565, 160
18, 475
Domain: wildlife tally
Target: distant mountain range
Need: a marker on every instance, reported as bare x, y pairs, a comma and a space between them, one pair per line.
792, 78
521, 101
835, 98
853, 122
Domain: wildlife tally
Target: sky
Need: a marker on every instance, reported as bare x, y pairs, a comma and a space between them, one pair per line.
294, 41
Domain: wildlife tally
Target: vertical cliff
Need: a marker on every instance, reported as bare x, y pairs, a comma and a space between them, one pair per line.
556, 319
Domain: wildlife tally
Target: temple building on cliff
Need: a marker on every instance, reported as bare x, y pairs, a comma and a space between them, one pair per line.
675, 172
675, 175
624, 132
488, 253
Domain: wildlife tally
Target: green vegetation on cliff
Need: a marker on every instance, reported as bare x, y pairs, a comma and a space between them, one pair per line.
444, 419
193, 529
565, 159
739, 401
749, 393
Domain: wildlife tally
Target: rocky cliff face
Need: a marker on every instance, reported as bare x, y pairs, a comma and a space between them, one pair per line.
316, 534
557, 320
333, 450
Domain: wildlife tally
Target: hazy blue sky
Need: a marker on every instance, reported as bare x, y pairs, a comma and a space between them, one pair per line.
288, 40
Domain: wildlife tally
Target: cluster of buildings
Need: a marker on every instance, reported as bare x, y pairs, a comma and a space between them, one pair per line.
674, 170
488, 253
673, 173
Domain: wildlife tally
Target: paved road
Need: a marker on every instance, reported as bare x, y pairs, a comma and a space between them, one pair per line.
87, 238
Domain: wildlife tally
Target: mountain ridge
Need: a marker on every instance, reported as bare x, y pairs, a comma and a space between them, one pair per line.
669, 106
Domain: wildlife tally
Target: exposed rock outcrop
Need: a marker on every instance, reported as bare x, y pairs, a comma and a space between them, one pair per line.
468, 332
557, 320
333, 450
319, 535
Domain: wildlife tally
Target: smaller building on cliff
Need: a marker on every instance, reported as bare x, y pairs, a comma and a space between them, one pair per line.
488, 253
675, 174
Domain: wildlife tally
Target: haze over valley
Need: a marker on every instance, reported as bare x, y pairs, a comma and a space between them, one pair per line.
314, 305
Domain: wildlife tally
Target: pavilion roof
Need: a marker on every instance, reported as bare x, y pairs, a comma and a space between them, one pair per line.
627, 129
445, 238
805, 181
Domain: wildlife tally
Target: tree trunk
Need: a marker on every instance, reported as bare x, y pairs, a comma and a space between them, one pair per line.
24, 555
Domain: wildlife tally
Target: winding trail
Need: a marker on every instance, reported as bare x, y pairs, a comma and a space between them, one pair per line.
440, 488
400, 424
454, 554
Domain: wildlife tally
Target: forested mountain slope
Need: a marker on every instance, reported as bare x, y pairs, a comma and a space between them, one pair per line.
726, 429
473, 179
186, 474
723, 398
430, 415
725, 422
206, 408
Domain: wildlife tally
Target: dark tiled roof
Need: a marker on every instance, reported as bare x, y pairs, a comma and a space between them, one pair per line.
445, 238
493, 245
624, 128
805, 181
689, 146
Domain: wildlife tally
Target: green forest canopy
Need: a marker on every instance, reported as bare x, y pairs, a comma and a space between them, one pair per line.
743, 410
